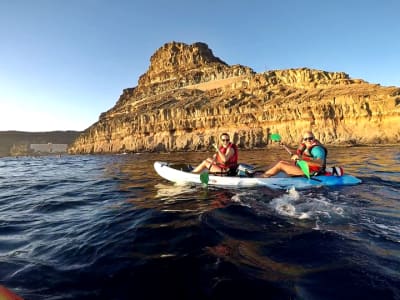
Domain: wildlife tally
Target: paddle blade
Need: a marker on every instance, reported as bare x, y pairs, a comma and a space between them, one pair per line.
304, 167
204, 177
275, 137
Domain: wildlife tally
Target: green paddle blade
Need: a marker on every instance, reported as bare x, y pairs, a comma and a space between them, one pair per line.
204, 177
275, 137
304, 167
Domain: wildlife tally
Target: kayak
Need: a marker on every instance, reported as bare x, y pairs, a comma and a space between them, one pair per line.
179, 174
6, 294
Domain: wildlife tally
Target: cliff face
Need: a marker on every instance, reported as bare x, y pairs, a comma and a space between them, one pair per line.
188, 97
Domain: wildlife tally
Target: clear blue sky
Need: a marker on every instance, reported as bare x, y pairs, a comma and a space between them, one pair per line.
63, 62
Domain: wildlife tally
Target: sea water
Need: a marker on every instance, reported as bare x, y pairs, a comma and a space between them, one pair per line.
108, 227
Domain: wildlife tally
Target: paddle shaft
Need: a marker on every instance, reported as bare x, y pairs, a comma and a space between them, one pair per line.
275, 137
213, 161
287, 149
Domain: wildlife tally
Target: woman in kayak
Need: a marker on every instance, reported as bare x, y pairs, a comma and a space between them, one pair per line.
224, 161
311, 151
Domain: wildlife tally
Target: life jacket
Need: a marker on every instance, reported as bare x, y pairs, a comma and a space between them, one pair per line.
302, 150
302, 147
232, 162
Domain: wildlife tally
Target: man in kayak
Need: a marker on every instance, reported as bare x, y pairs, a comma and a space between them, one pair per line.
311, 151
224, 161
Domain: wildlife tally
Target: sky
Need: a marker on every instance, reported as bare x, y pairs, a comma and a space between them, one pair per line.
64, 62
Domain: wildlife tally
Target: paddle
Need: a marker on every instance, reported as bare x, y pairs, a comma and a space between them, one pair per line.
304, 167
204, 177
275, 137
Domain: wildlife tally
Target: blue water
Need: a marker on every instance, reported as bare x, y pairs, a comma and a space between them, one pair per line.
108, 227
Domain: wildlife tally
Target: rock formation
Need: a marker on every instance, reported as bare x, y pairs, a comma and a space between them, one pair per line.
188, 97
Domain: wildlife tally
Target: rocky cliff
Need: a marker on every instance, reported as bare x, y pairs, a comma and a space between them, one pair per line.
188, 97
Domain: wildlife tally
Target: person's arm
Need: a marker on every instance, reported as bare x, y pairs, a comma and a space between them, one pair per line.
218, 153
318, 158
300, 149
227, 156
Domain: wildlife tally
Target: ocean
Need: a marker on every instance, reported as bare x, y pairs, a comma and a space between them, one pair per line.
108, 227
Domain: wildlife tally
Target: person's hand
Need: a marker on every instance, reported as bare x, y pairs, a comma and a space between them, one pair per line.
294, 157
215, 147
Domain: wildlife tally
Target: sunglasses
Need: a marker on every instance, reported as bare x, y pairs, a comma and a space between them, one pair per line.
225, 140
310, 138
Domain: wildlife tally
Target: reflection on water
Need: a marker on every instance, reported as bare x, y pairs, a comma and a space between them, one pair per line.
171, 190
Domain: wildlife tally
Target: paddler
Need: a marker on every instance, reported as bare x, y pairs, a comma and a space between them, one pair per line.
224, 161
311, 151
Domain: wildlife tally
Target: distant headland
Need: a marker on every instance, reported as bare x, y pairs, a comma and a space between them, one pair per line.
17, 143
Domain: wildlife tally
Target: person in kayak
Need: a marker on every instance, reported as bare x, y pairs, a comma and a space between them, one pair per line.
224, 161
309, 150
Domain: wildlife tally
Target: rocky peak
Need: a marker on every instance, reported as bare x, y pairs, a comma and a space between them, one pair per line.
178, 65
174, 58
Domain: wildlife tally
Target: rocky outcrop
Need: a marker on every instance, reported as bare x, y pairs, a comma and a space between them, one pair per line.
188, 97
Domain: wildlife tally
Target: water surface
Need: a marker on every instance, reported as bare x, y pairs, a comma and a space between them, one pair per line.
108, 227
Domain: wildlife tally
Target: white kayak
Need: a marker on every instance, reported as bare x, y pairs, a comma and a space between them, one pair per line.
167, 171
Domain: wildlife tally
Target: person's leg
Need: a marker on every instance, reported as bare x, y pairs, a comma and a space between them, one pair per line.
284, 166
205, 164
215, 169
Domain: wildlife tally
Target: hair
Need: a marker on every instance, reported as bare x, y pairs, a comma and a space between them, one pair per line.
308, 133
224, 133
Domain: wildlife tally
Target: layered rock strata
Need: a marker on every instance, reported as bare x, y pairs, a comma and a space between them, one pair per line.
188, 97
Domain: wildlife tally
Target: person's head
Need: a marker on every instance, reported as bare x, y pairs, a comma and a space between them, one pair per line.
308, 137
224, 138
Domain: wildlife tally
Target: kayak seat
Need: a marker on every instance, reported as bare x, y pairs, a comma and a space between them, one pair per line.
182, 167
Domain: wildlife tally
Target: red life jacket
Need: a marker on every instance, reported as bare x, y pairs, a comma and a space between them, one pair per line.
302, 150
232, 161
